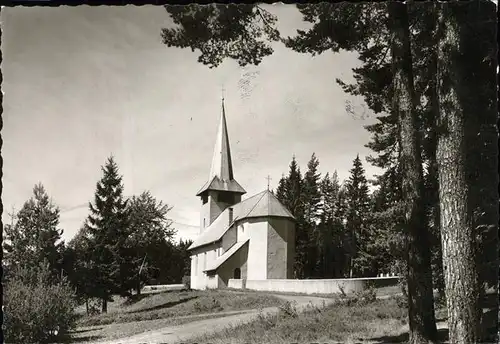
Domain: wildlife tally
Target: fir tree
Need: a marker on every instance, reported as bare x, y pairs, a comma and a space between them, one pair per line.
330, 228
290, 194
281, 189
34, 236
358, 203
311, 198
108, 229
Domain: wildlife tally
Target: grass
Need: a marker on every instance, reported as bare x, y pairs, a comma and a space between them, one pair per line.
377, 322
176, 304
148, 312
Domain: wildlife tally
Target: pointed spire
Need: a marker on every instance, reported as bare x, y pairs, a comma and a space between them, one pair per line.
221, 172
222, 165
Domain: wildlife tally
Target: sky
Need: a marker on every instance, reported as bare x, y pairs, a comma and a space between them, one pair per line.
83, 83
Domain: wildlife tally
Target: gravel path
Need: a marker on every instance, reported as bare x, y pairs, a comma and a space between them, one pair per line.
182, 333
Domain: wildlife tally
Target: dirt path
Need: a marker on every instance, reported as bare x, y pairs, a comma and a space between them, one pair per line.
182, 333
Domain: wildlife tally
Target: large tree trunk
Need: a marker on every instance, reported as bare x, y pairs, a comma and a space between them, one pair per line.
481, 111
460, 260
433, 191
420, 295
468, 158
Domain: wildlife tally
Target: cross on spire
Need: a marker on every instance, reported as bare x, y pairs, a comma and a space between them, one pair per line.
222, 91
268, 180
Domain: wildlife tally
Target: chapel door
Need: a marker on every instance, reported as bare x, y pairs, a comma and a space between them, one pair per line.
237, 273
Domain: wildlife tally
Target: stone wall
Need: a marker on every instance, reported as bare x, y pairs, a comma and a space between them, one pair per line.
318, 286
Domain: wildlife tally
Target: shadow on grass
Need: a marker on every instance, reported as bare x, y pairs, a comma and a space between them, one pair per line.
87, 330
403, 338
164, 305
69, 339
135, 298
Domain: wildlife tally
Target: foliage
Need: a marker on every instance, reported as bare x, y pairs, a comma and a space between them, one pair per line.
358, 235
290, 194
38, 309
331, 226
363, 297
150, 231
34, 236
213, 305
311, 201
106, 231
240, 32
77, 264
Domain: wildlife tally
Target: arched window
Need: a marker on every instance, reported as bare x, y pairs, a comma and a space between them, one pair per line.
237, 273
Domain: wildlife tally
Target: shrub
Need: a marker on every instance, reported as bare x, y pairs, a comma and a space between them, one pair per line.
208, 306
364, 297
37, 308
288, 310
186, 280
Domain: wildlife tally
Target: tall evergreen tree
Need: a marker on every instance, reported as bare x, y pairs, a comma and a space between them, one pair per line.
107, 228
311, 198
331, 228
290, 194
34, 236
358, 207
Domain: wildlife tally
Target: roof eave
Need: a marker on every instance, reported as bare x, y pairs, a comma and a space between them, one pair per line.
219, 239
234, 187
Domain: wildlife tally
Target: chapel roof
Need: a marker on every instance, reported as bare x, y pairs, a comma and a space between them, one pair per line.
226, 255
263, 204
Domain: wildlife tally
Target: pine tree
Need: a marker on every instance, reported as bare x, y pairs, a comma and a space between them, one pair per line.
185, 258
331, 228
281, 189
290, 194
358, 203
386, 224
311, 198
34, 236
108, 229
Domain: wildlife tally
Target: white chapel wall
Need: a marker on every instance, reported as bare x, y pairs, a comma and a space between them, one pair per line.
257, 251
200, 259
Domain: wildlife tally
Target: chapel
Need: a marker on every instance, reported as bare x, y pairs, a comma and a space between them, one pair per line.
247, 239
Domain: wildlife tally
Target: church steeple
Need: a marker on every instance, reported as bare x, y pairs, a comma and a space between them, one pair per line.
221, 176
221, 190
222, 166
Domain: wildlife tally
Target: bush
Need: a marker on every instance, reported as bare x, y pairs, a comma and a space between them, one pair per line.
288, 310
186, 280
364, 297
208, 306
37, 308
